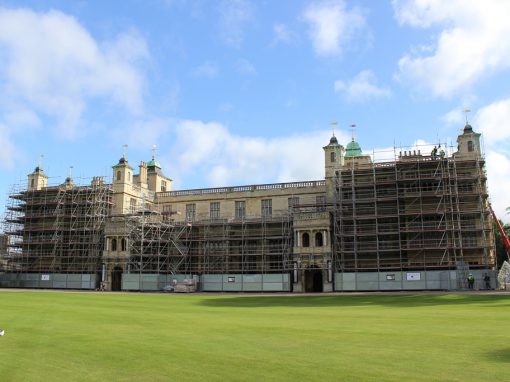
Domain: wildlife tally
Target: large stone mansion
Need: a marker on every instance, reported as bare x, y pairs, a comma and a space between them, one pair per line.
417, 221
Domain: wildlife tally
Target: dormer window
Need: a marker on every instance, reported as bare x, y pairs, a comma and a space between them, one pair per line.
471, 147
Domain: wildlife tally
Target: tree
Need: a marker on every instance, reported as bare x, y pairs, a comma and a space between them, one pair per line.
501, 254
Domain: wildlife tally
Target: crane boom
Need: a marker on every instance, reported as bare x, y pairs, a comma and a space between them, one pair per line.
504, 237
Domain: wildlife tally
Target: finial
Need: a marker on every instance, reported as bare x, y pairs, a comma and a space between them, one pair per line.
153, 152
466, 111
70, 172
124, 147
353, 126
40, 161
333, 124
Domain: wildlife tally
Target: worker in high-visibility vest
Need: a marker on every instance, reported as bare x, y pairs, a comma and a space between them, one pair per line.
471, 281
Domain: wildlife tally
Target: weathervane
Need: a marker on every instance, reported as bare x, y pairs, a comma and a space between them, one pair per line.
40, 161
153, 152
466, 111
333, 124
124, 147
353, 127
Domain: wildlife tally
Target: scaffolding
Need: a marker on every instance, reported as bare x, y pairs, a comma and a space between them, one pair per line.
156, 244
412, 212
406, 211
160, 245
57, 229
249, 245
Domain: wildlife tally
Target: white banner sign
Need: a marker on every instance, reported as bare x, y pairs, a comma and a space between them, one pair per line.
415, 276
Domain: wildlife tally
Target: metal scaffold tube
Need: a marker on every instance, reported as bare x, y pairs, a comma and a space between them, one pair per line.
414, 212
58, 229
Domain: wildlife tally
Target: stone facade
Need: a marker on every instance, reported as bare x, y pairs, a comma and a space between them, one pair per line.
417, 211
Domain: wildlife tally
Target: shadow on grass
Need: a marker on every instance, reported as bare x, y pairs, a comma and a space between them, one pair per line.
501, 355
407, 301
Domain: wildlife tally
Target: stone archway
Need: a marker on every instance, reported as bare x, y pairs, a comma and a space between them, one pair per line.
313, 280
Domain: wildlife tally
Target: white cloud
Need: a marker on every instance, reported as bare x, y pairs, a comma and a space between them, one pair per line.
454, 117
362, 87
472, 43
145, 132
223, 158
389, 154
491, 121
208, 69
245, 67
498, 175
21, 118
53, 66
332, 26
283, 35
234, 15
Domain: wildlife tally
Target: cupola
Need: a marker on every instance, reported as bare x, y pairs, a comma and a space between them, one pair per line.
353, 149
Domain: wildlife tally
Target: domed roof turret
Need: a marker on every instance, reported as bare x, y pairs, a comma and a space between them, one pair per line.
333, 141
153, 163
123, 161
353, 149
468, 129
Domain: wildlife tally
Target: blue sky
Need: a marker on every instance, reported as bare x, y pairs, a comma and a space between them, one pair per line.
240, 92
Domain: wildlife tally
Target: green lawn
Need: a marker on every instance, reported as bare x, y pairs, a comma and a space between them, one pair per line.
58, 336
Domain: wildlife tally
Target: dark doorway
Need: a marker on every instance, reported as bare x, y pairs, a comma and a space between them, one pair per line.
98, 280
313, 280
117, 279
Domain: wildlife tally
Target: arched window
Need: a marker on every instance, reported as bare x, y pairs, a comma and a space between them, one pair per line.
114, 244
129, 176
306, 240
123, 245
319, 242
470, 146
333, 156
119, 175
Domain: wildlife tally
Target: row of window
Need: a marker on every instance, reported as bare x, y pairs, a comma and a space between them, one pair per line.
266, 208
112, 244
320, 203
319, 239
239, 210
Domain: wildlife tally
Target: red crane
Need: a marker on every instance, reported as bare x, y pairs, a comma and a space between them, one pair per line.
504, 237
